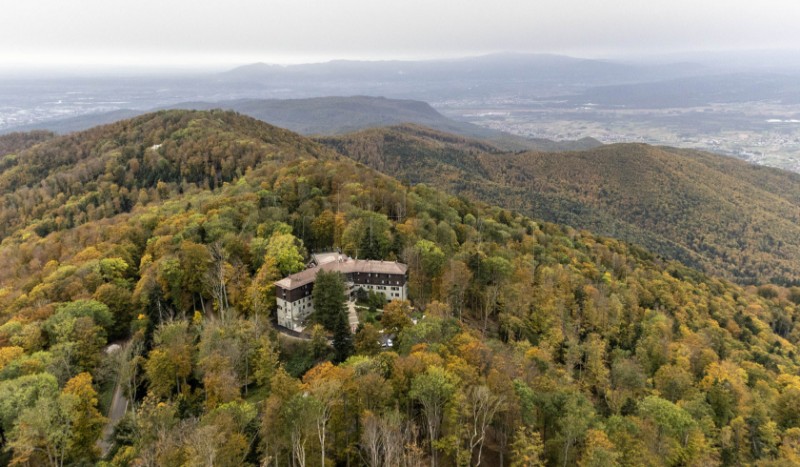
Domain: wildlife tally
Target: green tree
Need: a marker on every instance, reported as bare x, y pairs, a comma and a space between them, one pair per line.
98, 312
426, 262
599, 451
673, 382
368, 236
329, 299
577, 415
77, 333
286, 250
674, 427
42, 433
195, 260
396, 316
85, 420
342, 338
367, 340
22, 393
434, 390
788, 405
170, 362
266, 362
118, 300
319, 340
494, 271
323, 230
527, 449
299, 411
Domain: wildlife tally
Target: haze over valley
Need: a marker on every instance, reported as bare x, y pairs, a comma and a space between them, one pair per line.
748, 110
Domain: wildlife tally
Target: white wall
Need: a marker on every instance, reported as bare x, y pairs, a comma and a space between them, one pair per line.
292, 314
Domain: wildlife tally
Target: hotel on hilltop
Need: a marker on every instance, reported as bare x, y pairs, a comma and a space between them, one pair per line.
293, 293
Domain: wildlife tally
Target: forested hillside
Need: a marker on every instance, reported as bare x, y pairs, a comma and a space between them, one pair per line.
715, 213
14, 142
534, 343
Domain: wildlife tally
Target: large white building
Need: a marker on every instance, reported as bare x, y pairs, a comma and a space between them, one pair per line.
293, 293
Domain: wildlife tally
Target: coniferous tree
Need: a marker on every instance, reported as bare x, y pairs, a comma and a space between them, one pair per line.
342, 338
329, 298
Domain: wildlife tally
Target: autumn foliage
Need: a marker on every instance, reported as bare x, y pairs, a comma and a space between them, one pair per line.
525, 343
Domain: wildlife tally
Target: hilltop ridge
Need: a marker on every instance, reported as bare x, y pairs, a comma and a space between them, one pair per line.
329, 116
719, 214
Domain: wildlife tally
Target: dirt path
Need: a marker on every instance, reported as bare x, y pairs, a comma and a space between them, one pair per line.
119, 405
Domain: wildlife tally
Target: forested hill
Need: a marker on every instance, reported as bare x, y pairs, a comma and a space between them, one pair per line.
335, 115
340, 114
539, 344
329, 116
104, 171
715, 213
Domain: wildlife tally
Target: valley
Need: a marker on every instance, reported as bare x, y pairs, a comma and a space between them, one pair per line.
745, 110
762, 133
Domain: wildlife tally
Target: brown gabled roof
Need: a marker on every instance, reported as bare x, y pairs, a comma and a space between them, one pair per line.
346, 266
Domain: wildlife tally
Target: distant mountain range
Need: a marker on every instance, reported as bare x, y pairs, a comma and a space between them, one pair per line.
716, 213
543, 74
490, 79
330, 116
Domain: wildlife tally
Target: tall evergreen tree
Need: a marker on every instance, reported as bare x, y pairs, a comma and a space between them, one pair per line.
342, 338
329, 299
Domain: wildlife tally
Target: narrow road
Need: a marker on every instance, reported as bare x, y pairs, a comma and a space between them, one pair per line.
119, 405
352, 315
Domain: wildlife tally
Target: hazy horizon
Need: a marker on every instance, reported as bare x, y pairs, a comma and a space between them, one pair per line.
179, 66
185, 35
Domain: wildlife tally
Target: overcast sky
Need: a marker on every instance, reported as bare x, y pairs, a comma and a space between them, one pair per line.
199, 32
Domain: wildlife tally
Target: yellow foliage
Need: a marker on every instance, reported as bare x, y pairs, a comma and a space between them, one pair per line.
9, 354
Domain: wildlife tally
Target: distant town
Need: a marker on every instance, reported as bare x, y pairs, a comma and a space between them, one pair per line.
764, 133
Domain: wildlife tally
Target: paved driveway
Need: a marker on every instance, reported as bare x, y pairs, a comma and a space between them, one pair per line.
352, 315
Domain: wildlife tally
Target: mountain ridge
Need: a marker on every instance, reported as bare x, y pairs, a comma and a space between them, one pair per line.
523, 66
706, 210
327, 116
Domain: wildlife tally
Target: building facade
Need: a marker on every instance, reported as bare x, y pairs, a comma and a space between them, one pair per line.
293, 293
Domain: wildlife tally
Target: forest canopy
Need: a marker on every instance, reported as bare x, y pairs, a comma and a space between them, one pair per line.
718, 214
525, 342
